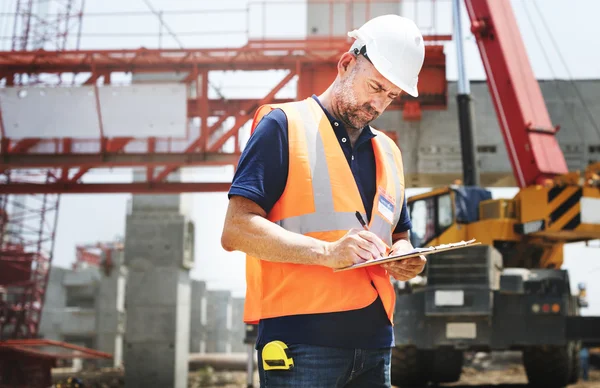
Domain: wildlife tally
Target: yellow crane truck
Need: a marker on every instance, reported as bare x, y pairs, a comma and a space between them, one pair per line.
509, 293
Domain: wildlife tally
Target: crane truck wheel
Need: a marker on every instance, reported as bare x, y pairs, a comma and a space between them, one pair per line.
548, 366
575, 362
409, 367
446, 365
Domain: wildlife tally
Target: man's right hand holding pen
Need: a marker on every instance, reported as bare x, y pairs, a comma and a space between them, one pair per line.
403, 269
358, 246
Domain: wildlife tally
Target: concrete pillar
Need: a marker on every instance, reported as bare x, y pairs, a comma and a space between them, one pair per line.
158, 253
238, 327
218, 330
54, 305
110, 309
198, 317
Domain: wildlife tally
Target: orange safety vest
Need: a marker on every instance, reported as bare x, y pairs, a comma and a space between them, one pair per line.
320, 200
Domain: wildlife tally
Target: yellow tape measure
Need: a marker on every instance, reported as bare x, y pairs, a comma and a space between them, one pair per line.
275, 356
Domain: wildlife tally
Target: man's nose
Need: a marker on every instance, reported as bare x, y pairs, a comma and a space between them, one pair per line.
379, 104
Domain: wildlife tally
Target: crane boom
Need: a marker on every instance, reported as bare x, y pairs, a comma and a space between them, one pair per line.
528, 133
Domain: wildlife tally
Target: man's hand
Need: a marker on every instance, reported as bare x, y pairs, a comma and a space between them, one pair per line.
356, 246
406, 269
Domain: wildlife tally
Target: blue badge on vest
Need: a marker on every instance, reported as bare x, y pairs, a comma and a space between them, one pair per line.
385, 207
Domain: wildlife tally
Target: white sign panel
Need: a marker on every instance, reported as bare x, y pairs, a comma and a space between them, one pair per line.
140, 111
49, 112
590, 210
450, 298
461, 330
144, 110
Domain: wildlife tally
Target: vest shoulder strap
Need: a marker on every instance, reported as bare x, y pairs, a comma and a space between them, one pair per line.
267, 108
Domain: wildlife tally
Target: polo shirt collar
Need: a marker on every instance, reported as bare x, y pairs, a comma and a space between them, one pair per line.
340, 129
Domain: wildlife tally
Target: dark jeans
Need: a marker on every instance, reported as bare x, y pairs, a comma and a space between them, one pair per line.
317, 366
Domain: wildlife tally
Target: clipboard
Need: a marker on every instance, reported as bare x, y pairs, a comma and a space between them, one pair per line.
414, 253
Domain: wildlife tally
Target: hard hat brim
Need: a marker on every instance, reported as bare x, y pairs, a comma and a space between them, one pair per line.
412, 90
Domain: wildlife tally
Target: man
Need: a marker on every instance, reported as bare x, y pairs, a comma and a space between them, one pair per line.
308, 167
584, 356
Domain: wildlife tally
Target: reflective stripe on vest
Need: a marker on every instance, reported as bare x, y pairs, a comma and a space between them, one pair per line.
325, 217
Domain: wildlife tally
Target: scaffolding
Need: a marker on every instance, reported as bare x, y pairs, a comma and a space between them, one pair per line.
46, 25
28, 220
27, 231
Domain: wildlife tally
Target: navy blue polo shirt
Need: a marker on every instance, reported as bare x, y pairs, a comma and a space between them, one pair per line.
261, 176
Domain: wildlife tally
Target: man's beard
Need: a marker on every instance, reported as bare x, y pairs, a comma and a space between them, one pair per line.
352, 114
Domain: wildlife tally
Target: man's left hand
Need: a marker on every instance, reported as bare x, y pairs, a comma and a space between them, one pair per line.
406, 269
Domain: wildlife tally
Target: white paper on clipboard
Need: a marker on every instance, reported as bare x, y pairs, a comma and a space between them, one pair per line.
413, 253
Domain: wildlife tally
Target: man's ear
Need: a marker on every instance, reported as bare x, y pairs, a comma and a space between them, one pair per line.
345, 63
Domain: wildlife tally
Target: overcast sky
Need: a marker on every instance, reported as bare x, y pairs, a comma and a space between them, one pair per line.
91, 218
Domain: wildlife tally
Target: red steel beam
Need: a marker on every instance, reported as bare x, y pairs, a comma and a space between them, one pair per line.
112, 145
29, 346
202, 104
256, 55
219, 107
2, 129
114, 159
243, 118
199, 142
67, 142
24, 145
111, 188
151, 149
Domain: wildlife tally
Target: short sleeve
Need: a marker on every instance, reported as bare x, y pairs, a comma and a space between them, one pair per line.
262, 170
404, 223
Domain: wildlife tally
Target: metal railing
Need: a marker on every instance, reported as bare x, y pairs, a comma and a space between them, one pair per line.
158, 24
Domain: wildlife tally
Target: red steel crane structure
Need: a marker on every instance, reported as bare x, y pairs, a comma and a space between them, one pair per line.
44, 167
28, 221
33, 30
310, 60
99, 255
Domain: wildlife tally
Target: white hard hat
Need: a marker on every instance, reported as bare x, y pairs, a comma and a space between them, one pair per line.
395, 46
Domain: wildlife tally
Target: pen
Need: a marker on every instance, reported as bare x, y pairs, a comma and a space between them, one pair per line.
365, 227
361, 220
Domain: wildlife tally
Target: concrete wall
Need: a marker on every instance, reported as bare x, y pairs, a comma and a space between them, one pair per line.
218, 329
157, 254
69, 305
198, 317
54, 305
216, 318
238, 328
345, 15
431, 148
86, 307
110, 310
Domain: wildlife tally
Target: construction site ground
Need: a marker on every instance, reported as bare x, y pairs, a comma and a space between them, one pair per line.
498, 370
513, 377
